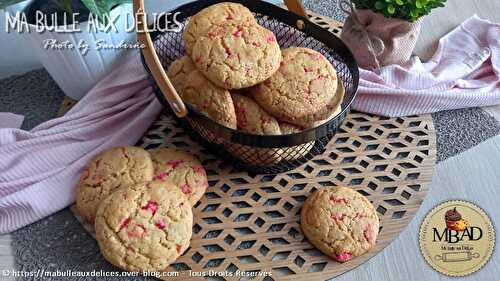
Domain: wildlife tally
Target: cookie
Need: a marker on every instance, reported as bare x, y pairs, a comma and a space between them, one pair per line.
337, 102
302, 90
288, 129
145, 227
257, 156
297, 151
183, 169
178, 72
340, 222
269, 156
237, 55
335, 113
251, 118
209, 18
318, 123
115, 168
202, 94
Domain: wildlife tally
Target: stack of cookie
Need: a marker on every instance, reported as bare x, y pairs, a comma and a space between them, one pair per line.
140, 202
235, 73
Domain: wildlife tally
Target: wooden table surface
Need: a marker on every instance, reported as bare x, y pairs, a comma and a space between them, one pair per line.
472, 175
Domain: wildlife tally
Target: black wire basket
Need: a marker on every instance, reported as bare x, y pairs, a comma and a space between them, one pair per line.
263, 154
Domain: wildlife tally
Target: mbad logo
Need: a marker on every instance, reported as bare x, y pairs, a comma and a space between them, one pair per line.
457, 238
457, 229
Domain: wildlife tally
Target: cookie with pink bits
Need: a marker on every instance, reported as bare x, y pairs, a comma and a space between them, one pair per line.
302, 91
335, 111
112, 169
181, 168
145, 227
251, 118
203, 95
207, 20
178, 72
237, 55
340, 222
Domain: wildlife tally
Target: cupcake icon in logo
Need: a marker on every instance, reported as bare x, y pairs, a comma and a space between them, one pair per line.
454, 220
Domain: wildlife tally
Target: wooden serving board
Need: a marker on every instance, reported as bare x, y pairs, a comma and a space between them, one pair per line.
251, 222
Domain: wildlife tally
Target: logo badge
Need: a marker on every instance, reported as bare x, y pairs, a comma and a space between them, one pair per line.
457, 238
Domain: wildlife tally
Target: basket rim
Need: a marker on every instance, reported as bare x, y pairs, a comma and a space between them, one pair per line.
289, 18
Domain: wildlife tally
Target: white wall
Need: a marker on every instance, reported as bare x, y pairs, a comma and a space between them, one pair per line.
16, 57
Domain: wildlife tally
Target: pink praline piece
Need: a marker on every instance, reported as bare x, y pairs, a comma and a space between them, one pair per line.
343, 257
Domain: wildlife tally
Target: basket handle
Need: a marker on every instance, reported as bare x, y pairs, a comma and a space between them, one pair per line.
154, 64
296, 7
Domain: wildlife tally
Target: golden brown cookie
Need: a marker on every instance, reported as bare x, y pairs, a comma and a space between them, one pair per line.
183, 169
335, 113
288, 129
297, 151
257, 156
251, 118
145, 227
302, 90
112, 169
270, 156
208, 19
237, 55
337, 102
340, 222
202, 94
178, 72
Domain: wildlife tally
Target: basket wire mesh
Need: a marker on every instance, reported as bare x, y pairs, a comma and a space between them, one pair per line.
257, 153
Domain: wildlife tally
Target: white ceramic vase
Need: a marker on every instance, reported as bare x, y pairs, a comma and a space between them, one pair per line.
74, 71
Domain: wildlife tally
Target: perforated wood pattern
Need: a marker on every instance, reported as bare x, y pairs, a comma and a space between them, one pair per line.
251, 222
331, 25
